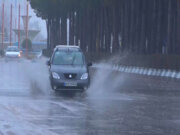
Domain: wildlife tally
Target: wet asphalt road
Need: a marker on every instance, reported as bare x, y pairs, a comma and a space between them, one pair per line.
115, 104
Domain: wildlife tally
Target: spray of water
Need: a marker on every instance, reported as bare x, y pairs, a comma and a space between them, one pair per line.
38, 77
105, 82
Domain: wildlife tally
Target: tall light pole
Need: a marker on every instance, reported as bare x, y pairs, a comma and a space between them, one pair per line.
27, 20
2, 25
15, 28
19, 25
11, 25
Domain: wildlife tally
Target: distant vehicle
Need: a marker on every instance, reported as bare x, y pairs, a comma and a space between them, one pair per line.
12, 52
68, 69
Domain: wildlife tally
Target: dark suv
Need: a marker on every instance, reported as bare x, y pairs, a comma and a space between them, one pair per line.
68, 69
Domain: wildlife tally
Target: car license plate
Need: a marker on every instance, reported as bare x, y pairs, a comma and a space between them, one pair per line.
70, 84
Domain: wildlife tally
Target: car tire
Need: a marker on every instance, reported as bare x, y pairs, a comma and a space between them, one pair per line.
53, 86
84, 89
83, 93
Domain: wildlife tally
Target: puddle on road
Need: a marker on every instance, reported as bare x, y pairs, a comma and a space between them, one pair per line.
104, 84
41, 110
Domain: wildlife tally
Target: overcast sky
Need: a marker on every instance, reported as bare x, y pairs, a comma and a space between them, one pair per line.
35, 22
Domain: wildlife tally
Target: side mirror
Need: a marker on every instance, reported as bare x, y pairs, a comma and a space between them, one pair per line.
48, 63
89, 64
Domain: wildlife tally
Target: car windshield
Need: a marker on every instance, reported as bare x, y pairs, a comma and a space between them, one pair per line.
12, 49
68, 58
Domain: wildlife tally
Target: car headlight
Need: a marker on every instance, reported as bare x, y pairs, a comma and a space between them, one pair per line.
55, 75
84, 76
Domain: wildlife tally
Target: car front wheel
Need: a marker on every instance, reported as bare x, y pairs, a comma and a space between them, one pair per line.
53, 87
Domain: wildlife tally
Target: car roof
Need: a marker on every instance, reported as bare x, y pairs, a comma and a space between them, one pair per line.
68, 47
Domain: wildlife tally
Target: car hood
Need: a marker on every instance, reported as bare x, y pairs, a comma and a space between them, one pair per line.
68, 68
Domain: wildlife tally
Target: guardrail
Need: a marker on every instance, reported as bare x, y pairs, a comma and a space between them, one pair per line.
141, 71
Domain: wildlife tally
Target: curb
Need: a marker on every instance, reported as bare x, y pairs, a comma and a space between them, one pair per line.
141, 70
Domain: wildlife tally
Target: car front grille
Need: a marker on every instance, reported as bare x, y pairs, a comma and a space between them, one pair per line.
70, 76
